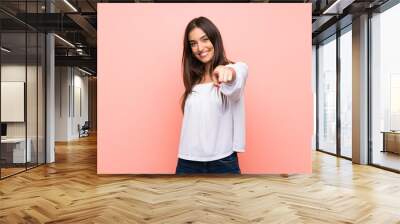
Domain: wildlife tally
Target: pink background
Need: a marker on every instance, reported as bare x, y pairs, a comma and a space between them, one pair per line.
140, 83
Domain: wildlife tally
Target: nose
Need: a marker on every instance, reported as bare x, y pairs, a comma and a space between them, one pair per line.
200, 47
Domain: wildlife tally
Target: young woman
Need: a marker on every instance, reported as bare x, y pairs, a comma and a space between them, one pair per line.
213, 128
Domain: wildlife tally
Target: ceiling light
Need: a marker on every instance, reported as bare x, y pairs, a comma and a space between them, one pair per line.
64, 40
70, 5
5, 50
84, 71
337, 7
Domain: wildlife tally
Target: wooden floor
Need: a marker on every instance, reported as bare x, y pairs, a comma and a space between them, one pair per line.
5, 172
9, 171
69, 191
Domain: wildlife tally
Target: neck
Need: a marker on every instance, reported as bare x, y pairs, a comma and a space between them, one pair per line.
206, 76
207, 68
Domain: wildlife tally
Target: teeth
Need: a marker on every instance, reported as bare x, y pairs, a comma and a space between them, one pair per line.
203, 54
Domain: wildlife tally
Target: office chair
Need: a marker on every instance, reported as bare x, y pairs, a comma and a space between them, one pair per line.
84, 130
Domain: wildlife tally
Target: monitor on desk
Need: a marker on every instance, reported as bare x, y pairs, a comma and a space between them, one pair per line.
3, 130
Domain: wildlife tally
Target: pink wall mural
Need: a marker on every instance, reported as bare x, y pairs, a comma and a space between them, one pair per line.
140, 83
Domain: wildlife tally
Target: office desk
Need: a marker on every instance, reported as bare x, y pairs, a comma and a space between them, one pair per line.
391, 141
13, 150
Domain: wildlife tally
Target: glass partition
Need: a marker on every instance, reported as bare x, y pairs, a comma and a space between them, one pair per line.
22, 77
13, 110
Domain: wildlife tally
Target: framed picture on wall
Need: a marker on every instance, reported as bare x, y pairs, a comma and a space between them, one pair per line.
12, 101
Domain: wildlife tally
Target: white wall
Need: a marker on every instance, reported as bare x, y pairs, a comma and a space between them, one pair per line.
62, 81
80, 84
71, 93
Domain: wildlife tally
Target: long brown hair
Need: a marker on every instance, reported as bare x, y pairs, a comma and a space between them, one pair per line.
193, 69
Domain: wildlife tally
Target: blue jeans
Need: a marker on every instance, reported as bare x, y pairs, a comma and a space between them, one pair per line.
229, 164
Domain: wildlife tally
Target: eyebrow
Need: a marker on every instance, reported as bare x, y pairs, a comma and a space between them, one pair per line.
205, 35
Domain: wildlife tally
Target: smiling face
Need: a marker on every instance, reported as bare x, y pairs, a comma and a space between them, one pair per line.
201, 45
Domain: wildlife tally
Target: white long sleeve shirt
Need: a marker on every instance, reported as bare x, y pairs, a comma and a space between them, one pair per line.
208, 131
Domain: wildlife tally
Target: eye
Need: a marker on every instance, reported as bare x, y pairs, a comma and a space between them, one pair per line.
192, 44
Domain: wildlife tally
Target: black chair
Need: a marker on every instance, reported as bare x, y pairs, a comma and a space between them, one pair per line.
84, 130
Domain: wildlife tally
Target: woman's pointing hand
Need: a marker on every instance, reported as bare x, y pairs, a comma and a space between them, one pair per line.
223, 74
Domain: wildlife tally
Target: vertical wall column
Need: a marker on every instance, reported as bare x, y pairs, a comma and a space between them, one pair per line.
360, 90
314, 91
50, 92
50, 99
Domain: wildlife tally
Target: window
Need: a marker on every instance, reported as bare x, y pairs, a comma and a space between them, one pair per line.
346, 92
385, 88
327, 95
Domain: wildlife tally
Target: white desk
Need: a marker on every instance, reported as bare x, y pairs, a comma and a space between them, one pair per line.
19, 149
